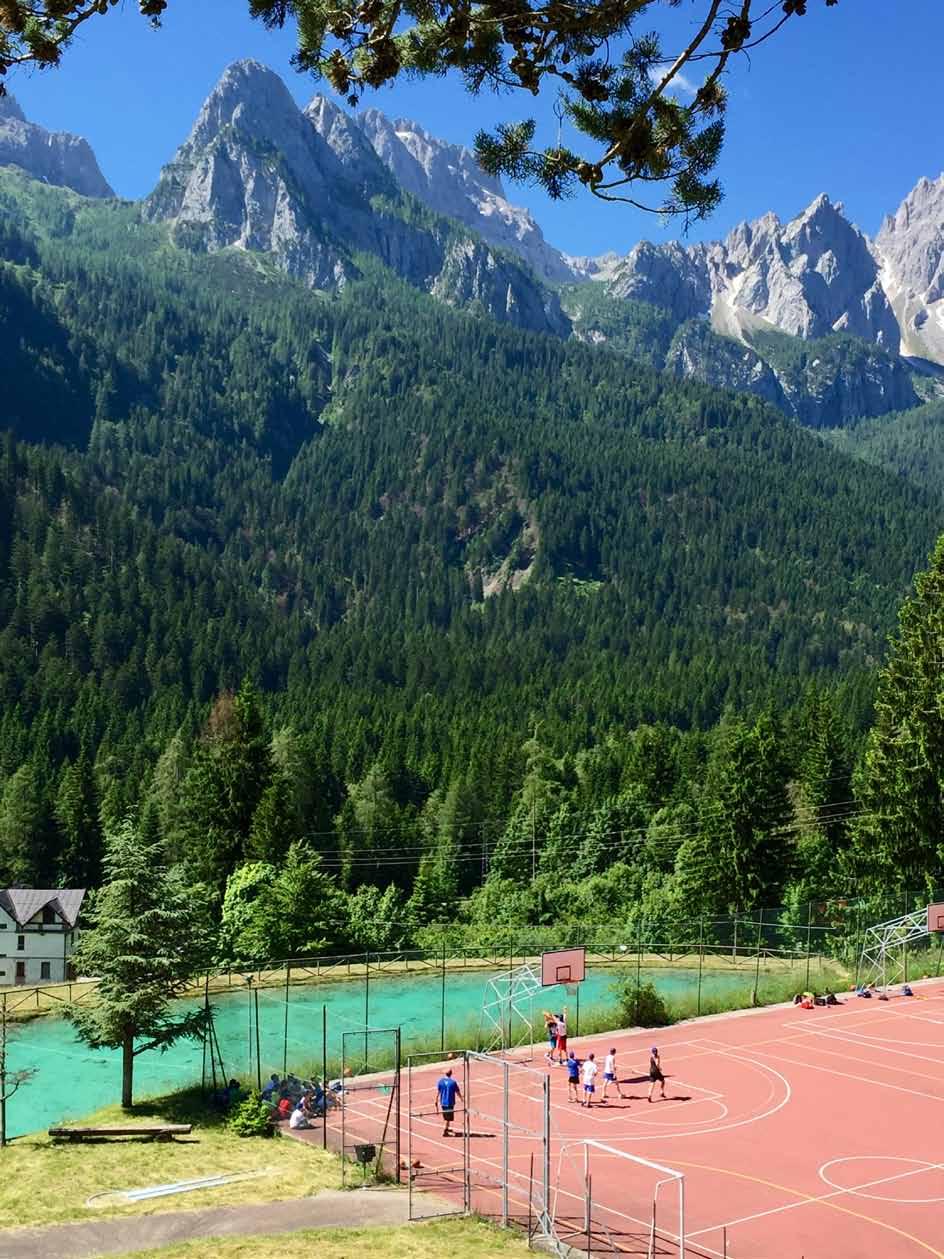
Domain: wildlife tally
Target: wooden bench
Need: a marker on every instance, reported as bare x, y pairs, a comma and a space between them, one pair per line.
156, 1132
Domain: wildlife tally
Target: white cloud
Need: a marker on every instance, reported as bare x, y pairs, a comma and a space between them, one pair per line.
679, 84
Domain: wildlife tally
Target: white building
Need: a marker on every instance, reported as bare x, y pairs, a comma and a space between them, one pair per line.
37, 934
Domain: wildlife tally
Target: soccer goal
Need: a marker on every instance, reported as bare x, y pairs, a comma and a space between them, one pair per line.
605, 1201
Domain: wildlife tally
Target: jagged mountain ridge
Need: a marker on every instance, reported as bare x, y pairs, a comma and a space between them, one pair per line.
313, 187
258, 173
56, 157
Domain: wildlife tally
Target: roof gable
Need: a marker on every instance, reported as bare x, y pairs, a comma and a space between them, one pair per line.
23, 903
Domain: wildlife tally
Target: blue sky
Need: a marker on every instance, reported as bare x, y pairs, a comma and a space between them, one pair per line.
847, 100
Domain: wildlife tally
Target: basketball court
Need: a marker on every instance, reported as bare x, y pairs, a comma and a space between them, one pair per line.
786, 1134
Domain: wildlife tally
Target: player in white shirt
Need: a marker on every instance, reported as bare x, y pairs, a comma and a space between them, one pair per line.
610, 1076
589, 1074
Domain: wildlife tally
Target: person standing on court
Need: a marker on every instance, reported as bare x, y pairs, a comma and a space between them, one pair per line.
561, 1028
655, 1072
589, 1074
573, 1076
550, 1028
447, 1090
610, 1076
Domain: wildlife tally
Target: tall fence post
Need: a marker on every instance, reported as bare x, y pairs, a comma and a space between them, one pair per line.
505, 1134
288, 972
324, 1074
442, 1013
366, 1002
258, 1046
809, 933
760, 940
638, 972
701, 956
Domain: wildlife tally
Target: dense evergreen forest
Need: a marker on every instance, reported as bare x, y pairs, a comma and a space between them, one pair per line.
360, 601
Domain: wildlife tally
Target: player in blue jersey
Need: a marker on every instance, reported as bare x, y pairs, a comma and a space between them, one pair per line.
573, 1076
447, 1090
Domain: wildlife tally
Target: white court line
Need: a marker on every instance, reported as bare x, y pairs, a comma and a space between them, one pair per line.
605, 1115
855, 1042
814, 1199
763, 1068
927, 1166
810, 1066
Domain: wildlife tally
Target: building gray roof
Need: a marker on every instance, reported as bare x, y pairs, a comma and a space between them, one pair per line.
23, 903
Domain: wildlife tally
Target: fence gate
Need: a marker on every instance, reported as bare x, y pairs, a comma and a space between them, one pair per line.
432, 1165
501, 1167
370, 1109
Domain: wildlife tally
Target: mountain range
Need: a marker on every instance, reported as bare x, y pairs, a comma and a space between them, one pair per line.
317, 188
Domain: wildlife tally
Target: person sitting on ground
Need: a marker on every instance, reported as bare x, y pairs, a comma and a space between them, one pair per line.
272, 1085
906, 990
299, 1119
285, 1106
797, 999
832, 999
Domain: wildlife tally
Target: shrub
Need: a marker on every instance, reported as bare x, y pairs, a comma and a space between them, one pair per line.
252, 1117
641, 1005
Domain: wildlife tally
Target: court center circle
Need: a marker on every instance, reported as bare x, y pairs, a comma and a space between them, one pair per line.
887, 1178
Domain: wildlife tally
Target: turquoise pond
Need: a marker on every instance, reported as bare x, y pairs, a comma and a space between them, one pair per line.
73, 1081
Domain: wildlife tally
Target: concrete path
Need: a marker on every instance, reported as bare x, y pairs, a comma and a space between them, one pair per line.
354, 1208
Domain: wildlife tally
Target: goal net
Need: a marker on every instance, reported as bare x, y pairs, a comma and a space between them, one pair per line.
607, 1202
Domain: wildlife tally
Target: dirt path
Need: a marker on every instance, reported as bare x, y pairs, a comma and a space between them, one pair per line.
356, 1208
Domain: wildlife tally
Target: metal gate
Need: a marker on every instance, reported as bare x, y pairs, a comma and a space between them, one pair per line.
502, 1166
370, 1104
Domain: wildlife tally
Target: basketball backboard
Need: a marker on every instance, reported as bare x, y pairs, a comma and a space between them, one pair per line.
563, 966
936, 917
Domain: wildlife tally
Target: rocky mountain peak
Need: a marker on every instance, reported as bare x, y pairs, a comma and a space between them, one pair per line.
56, 157
357, 162
910, 246
258, 173
448, 179
9, 108
250, 98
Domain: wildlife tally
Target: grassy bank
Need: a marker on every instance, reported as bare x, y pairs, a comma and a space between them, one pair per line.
46, 1182
459, 1239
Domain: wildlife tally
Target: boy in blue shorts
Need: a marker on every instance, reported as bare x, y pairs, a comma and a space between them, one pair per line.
589, 1073
610, 1076
573, 1076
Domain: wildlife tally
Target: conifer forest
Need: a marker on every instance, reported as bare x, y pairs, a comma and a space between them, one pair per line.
374, 613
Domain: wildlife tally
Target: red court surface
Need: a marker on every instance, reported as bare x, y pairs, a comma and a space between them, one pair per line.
802, 1134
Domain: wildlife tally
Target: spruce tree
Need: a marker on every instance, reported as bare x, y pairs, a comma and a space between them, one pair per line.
897, 842
146, 939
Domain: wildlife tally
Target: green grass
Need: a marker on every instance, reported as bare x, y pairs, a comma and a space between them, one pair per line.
47, 1182
459, 1239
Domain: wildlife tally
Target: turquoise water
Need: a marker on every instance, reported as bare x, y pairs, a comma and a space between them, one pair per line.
73, 1080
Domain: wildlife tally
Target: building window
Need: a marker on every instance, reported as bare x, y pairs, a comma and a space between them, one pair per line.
21, 942
44, 970
49, 915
